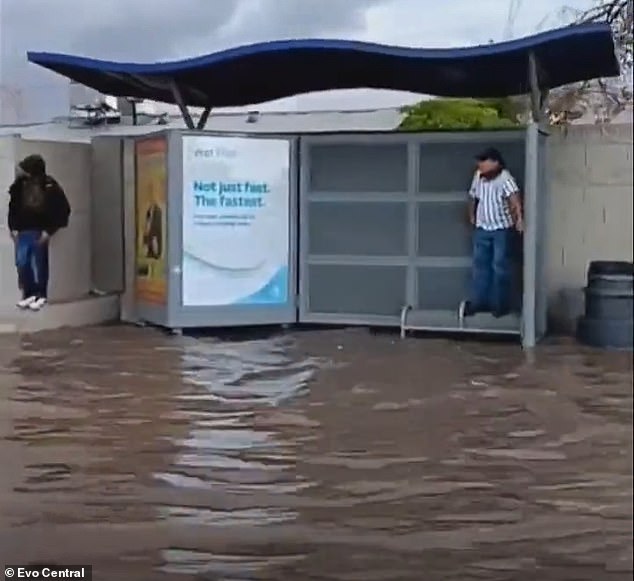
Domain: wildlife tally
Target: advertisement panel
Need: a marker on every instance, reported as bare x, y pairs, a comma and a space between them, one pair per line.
236, 220
151, 214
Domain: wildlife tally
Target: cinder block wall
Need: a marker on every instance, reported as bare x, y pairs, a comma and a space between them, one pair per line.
590, 211
107, 211
8, 281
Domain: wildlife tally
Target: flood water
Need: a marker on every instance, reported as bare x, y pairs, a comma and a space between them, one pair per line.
320, 455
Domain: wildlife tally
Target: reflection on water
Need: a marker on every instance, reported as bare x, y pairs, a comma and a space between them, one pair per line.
332, 455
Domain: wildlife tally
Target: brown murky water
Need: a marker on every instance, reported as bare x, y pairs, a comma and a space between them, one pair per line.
330, 455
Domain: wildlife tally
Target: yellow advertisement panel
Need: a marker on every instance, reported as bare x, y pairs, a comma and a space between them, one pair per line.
151, 216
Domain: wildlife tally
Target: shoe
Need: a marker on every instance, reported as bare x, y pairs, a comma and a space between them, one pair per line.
37, 304
26, 302
500, 314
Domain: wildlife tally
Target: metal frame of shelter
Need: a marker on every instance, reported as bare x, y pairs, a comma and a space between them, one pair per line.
534, 65
384, 239
534, 307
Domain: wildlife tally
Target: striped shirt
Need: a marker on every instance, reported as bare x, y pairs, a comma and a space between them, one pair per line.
493, 212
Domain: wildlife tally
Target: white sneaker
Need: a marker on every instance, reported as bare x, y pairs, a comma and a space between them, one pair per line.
37, 304
26, 303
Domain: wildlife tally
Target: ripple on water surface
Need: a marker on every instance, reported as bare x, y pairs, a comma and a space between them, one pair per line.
332, 455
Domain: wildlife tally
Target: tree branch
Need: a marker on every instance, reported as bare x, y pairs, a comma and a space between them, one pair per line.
606, 98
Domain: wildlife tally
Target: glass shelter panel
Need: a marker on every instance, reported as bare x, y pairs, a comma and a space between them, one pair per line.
356, 290
448, 167
384, 225
380, 228
361, 168
443, 229
441, 288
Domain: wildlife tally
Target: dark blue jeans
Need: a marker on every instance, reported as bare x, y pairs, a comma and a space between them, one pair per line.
492, 270
31, 260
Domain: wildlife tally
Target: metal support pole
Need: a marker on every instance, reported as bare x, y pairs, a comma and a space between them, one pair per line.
531, 209
537, 94
543, 117
178, 97
202, 121
533, 79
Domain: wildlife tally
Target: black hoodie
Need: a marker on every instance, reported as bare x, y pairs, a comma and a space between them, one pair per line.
37, 201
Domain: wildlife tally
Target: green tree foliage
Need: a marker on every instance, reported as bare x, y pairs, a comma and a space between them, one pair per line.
461, 114
512, 108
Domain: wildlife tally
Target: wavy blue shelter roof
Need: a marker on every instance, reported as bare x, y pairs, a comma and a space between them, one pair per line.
263, 72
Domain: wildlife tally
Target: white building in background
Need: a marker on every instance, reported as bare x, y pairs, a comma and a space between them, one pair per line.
91, 113
10, 104
76, 128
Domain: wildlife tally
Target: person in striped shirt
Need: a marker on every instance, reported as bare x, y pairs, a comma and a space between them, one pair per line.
495, 211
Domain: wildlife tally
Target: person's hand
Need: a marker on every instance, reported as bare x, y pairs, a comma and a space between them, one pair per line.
14, 235
44, 238
519, 226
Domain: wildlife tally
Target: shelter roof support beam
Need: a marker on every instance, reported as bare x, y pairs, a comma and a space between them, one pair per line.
178, 98
187, 116
538, 95
202, 121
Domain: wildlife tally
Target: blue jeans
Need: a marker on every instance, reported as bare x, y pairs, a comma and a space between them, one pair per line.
492, 270
31, 260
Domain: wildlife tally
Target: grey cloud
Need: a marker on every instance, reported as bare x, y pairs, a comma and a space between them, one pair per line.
116, 29
306, 18
148, 30
143, 30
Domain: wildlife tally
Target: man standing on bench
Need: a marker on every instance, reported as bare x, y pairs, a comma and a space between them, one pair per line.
38, 208
495, 211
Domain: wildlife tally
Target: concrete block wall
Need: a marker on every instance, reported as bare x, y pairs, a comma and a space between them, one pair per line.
8, 282
590, 211
106, 187
70, 253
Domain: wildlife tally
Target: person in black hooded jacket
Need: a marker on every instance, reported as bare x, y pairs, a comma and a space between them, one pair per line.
38, 208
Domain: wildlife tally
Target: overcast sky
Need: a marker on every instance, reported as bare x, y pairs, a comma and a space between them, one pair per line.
150, 30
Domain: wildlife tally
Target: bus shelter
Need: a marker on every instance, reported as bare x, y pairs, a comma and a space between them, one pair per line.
338, 229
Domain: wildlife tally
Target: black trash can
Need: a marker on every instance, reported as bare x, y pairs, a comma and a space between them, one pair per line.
608, 321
